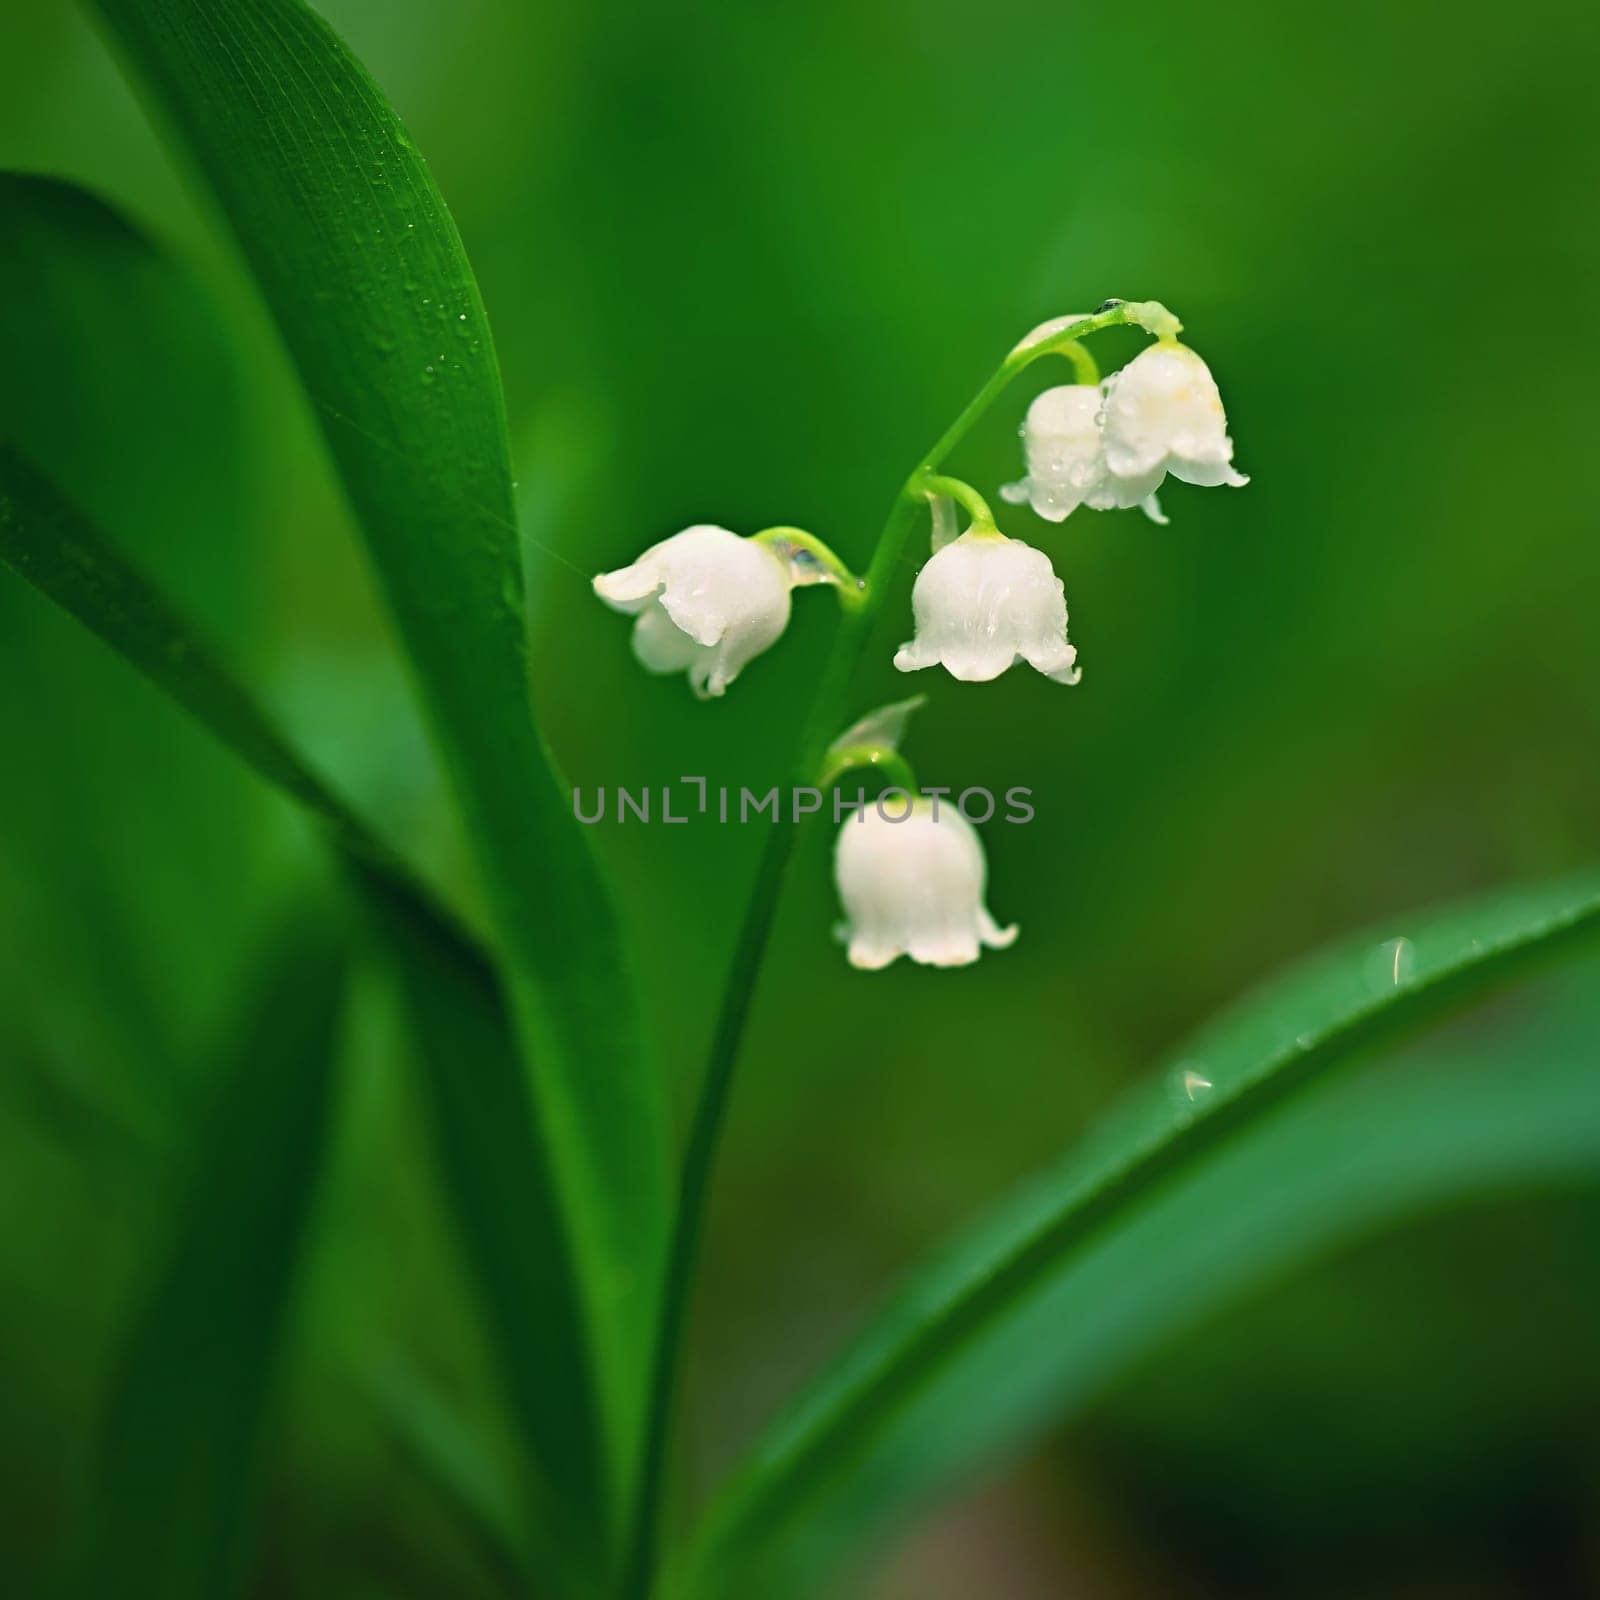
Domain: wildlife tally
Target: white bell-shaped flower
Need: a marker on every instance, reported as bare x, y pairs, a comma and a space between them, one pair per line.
984, 602
1061, 444
1163, 414
708, 602
914, 887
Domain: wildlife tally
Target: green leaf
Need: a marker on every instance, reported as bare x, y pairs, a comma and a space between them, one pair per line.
89, 310
990, 1341
177, 1468
485, 1125
453, 1465
123, 380
363, 270
49, 542
499, 1184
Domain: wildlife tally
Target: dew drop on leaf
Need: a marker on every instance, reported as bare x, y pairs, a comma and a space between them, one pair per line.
1392, 964
1187, 1085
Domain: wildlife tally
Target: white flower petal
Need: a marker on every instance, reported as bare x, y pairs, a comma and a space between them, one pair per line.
872, 953
660, 644
992, 934
985, 602
628, 588
1151, 506
1163, 413
708, 601
914, 887
1056, 659
1061, 444
1122, 494
950, 945
1208, 474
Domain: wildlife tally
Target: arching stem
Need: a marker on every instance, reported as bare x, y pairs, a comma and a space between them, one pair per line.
813, 561
965, 496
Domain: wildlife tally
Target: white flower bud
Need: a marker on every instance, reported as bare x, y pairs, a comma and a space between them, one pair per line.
914, 887
984, 602
707, 601
1163, 414
1061, 444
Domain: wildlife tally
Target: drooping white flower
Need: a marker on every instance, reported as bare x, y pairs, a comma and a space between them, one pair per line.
1061, 445
1163, 414
708, 602
984, 602
914, 887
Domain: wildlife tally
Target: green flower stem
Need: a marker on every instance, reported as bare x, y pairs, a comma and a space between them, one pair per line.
850, 589
879, 758
1084, 365
964, 496
639, 1572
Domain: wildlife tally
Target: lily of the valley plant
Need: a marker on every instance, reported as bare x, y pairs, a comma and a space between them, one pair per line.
911, 873
707, 602
551, 1142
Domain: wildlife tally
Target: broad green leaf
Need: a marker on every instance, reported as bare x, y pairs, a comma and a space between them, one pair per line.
363, 270
120, 379
993, 1339
48, 541
452, 1463
498, 1182
177, 1468
485, 1123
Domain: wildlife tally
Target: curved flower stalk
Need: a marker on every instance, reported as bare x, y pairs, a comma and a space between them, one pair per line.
873, 742
708, 602
913, 884
984, 602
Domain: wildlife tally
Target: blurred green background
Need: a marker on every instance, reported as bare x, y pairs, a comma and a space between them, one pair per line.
743, 263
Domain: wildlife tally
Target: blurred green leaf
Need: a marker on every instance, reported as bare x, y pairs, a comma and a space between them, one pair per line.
363, 269
125, 385
49, 542
89, 310
485, 1123
175, 1480
960, 1363
454, 1466
485, 1120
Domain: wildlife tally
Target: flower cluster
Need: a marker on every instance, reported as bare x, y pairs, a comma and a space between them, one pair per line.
708, 601
1111, 445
